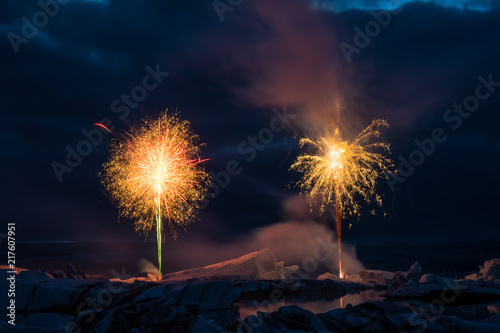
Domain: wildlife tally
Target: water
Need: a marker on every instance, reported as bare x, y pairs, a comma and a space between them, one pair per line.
481, 311
248, 307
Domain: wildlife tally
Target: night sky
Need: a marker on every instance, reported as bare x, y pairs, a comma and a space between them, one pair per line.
226, 77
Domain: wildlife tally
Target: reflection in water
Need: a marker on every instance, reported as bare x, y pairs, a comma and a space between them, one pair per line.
251, 307
431, 310
315, 305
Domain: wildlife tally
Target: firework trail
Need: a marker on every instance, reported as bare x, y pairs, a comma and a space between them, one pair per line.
338, 173
154, 173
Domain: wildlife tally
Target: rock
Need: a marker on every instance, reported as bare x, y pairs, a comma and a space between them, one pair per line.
454, 291
427, 278
210, 296
454, 324
5, 271
58, 274
96, 277
252, 286
298, 318
495, 319
490, 270
259, 265
215, 295
33, 275
287, 270
113, 274
353, 278
152, 278
365, 317
207, 326
153, 316
4, 274
53, 322
24, 292
407, 279
49, 297
473, 276
374, 276
156, 307
328, 276
73, 273
155, 292
444, 281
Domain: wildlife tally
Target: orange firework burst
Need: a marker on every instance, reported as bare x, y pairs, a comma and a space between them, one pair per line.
337, 173
154, 172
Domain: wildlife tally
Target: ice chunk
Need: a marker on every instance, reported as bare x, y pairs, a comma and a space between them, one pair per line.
206, 326
56, 322
491, 269
427, 278
33, 275
473, 276
373, 276
259, 265
328, 276
209, 296
353, 278
409, 278
298, 318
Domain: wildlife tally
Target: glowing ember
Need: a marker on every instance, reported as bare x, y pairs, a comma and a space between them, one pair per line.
154, 173
337, 173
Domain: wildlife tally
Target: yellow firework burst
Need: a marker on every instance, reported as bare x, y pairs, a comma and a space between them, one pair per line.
154, 173
338, 173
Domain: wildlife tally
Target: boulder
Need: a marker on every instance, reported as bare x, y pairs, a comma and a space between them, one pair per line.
328, 276
353, 278
374, 276
490, 270
206, 326
259, 265
209, 296
427, 278
49, 297
52, 322
473, 276
34, 275
409, 278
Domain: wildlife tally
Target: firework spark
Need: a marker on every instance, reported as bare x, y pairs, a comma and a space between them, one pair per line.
154, 173
339, 173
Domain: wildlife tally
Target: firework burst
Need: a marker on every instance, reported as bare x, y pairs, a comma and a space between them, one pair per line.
338, 173
154, 173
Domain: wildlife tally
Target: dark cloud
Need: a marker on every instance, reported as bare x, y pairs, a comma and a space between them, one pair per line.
343, 5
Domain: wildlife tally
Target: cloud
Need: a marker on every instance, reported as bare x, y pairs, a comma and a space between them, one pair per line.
343, 5
296, 241
286, 58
